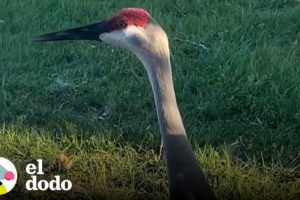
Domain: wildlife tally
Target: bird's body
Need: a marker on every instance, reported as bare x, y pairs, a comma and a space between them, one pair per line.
135, 30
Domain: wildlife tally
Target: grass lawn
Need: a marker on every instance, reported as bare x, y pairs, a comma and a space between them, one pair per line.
87, 108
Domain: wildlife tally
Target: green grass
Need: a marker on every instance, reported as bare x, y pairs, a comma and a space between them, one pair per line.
240, 98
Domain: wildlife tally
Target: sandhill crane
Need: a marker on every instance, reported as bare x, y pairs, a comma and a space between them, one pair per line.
134, 29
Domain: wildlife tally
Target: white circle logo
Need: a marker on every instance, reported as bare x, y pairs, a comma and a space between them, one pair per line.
8, 176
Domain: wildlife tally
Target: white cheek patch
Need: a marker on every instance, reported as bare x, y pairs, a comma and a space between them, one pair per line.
129, 38
116, 38
135, 36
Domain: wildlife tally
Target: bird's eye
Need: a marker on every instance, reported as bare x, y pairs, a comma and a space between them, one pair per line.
121, 24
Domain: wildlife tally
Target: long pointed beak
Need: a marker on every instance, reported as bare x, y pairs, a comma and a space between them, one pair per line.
89, 32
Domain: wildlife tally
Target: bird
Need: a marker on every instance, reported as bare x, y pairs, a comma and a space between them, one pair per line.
136, 30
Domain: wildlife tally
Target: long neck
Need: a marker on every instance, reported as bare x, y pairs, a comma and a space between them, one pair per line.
168, 114
186, 179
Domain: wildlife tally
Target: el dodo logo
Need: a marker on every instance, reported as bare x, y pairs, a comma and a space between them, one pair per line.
8, 176
34, 184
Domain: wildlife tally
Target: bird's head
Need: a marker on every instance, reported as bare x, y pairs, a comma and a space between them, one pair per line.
130, 28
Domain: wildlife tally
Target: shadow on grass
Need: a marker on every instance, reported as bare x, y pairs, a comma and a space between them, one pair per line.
99, 167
